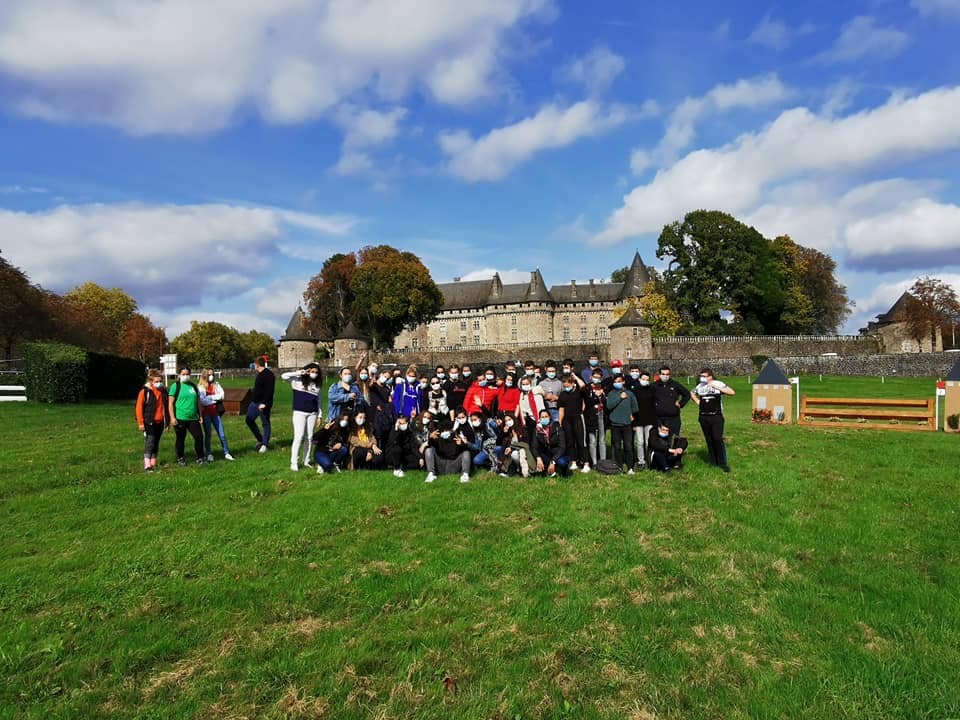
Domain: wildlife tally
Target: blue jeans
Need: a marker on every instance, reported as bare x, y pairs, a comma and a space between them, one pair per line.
254, 412
326, 459
210, 422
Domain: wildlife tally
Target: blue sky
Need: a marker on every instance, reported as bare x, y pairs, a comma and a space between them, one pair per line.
207, 157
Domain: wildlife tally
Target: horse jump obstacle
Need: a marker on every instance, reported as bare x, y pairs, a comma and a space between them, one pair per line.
19, 396
866, 412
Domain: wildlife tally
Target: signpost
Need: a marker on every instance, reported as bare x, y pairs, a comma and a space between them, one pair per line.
169, 365
796, 381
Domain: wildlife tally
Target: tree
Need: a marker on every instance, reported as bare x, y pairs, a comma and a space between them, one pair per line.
210, 344
73, 324
392, 289
113, 307
21, 307
931, 304
831, 306
255, 344
142, 340
329, 297
620, 274
655, 307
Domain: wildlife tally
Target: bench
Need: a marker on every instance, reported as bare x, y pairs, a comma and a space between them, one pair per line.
13, 393
869, 413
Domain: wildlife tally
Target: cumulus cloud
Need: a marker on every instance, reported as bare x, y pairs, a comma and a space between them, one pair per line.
798, 143
364, 129
916, 234
595, 71
862, 38
201, 251
493, 156
174, 66
506, 276
938, 8
748, 93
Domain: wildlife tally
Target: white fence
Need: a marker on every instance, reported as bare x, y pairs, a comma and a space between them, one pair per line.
13, 393
758, 338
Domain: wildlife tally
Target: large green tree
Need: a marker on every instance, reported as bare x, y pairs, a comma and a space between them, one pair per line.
255, 344
816, 303
210, 344
21, 307
111, 308
329, 297
931, 304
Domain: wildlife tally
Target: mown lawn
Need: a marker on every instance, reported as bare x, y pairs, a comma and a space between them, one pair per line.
820, 579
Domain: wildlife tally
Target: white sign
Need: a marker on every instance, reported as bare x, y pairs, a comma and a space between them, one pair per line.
169, 364
941, 392
795, 380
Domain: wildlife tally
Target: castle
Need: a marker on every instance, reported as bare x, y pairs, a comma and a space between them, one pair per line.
489, 313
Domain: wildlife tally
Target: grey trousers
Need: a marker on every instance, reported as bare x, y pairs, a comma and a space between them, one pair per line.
641, 440
442, 466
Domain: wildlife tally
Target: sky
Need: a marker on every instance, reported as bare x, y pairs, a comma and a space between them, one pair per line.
208, 157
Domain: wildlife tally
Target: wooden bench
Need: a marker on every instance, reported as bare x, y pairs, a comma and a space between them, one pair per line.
868, 413
13, 393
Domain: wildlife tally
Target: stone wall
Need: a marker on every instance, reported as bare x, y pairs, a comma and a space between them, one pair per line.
772, 346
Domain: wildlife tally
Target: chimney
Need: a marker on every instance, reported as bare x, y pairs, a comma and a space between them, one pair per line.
456, 279
573, 288
593, 289
533, 280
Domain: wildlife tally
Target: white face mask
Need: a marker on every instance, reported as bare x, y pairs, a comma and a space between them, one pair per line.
703, 379
445, 434
508, 423
344, 423
360, 421
402, 428
210, 378
454, 376
158, 384
441, 375
313, 376
644, 383
184, 378
635, 376
435, 386
525, 388
475, 423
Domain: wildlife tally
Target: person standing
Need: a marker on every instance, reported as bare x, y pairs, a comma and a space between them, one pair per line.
306, 385
551, 386
621, 406
261, 403
571, 422
152, 417
184, 411
669, 397
345, 396
708, 395
211, 404
407, 400
645, 418
594, 418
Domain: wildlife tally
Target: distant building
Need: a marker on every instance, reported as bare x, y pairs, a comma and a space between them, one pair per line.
489, 313
890, 328
297, 346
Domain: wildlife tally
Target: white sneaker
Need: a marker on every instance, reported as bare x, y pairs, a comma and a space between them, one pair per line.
293, 466
319, 469
573, 466
585, 469
400, 472
465, 478
430, 477
210, 457
553, 474
263, 449
307, 463
630, 472
227, 456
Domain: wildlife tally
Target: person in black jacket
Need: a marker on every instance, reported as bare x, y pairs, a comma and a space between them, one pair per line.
381, 410
446, 453
666, 449
403, 450
261, 403
549, 446
645, 418
330, 444
669, 397
708, 396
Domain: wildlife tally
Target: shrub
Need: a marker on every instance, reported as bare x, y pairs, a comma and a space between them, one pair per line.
762, 416
54, 372
758, 361
111, 377
953, 421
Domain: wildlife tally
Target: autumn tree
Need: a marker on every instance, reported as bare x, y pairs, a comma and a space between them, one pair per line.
931, 304
329, 297
656, 309
210, 344
141, 339
21, 307
254, 344
113, 307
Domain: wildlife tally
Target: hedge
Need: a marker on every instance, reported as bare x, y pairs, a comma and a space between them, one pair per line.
61, 373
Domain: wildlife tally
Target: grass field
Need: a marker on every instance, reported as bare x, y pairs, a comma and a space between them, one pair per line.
820, 579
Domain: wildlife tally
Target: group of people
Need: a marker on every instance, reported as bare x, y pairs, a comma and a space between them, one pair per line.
545, 419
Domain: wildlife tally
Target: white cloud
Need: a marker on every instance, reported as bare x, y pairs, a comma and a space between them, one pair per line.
938, 8
165, 256
493, 156
722, 31
796, 144
176, 66
506, 276
862, 38
776, 34
595, 71
364, 128
750, 93
22, 190
916, 234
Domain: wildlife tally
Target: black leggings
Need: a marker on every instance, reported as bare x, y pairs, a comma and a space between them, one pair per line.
621, 440
152, 433
575, 436
181, 429
712, 426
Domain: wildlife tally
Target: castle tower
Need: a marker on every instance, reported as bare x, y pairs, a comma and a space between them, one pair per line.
637, 278
297, 345
350, 346
631, 337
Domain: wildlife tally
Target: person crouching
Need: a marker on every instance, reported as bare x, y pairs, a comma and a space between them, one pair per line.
446, 453
666, 449
549, 446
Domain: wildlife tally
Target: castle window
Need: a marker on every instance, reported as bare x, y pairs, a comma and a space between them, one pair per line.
603, 316
476, 339
583, 333
566, 333
443, 340
636, 332
463, 339
513, 334
513, 319
566, 319
583, 319
443, 326
476, 324
353, 345
414, 343
629, 353
603, 332
463, 324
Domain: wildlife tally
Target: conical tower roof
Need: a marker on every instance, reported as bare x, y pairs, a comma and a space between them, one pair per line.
351, 332
637, 278
631, 318
771, 374
297, 328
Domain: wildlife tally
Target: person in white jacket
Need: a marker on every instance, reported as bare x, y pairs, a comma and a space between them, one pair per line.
307, 386
211, 404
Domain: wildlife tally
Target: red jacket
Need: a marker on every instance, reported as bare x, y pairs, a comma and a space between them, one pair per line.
485, 396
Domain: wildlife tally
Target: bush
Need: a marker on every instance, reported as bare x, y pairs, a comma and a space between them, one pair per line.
111, 377
758, 360
953, 421
54, 372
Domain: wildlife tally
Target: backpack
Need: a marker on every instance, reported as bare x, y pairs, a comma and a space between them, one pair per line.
608, 467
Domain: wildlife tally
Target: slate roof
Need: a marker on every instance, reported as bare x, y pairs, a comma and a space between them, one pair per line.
297, 328
631, 318
895, 313
463, 295
771, 374
954, 373
596, 292
637, 278
350, 332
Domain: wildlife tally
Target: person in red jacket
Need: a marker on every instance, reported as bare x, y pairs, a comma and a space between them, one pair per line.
482, 393
151, 411
508, 398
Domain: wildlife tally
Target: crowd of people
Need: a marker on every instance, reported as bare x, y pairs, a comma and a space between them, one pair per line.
545, 419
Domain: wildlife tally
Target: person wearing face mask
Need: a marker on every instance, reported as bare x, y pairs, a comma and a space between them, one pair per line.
508, 397
211, 409
330, 444
402, 451
593, 365
708, 395
571, 422
621, 407
549, 446
261, 403
529, 406
424, 425
646, 417
514, 452
669, 397
455, 387
666, 449
381, 406
306, 385
446, 453
184, 411
437, 398
482, 393
594, 418
152, 416
407, 400
568, 368
551, 386
365, 453
484, 439
344, 396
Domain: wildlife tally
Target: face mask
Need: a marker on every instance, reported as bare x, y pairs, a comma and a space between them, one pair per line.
663, 434
551, 374
544, 421
664, 378
158, 384
411, 379
385, 379
422, 385
594, 363
364, 377
467, 373
445, 434
644, 383
360, 421
210, 378
508, 383
597, 381
313, 376
618, 371
703, 379
567, 371
528, 373
635, 375
508, 423
344, 423
475, 423
525, 388
402, 428
618, 386
568, 388
184, 378
348, 378
435, 386
427, 421
482, 383
454, 376
489, 378
373, 369
441, 375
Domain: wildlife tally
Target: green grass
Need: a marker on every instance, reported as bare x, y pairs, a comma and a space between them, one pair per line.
819, 579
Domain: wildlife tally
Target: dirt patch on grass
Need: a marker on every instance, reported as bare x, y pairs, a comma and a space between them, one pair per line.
295, 703
309, 626
182, 671
781, 568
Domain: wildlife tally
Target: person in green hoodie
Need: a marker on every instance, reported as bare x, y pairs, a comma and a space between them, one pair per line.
185, 415
621, 407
